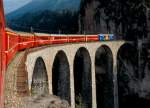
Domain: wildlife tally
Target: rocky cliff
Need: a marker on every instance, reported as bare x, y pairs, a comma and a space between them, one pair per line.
127, 19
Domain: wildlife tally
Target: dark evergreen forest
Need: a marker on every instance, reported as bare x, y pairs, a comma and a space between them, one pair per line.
46, 21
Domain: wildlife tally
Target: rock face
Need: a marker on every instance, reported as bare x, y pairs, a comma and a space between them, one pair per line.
126, 19
133, 77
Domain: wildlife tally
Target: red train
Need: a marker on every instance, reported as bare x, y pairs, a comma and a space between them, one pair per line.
12, 42
21, 40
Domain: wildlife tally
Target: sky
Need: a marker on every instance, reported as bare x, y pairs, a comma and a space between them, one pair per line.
11, 5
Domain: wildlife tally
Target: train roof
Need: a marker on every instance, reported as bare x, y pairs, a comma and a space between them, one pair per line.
42, 34
8, 29
24, 33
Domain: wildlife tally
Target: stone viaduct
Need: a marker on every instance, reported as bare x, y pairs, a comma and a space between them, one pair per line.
81, 73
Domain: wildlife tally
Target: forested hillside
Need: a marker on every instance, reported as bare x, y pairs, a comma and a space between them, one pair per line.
50, 16
46, 21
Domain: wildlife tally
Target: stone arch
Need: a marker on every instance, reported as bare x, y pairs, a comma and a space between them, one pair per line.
82, 78
61, 76
104, 77
39, 85
128, 76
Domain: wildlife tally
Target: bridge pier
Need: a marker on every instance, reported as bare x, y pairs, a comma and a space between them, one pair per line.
115, 81
72, 85
94, 101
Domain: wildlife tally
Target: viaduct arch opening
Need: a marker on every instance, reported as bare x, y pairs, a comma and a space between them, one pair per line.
82, 79
39, 84
61, 76
104, 77
128, 77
